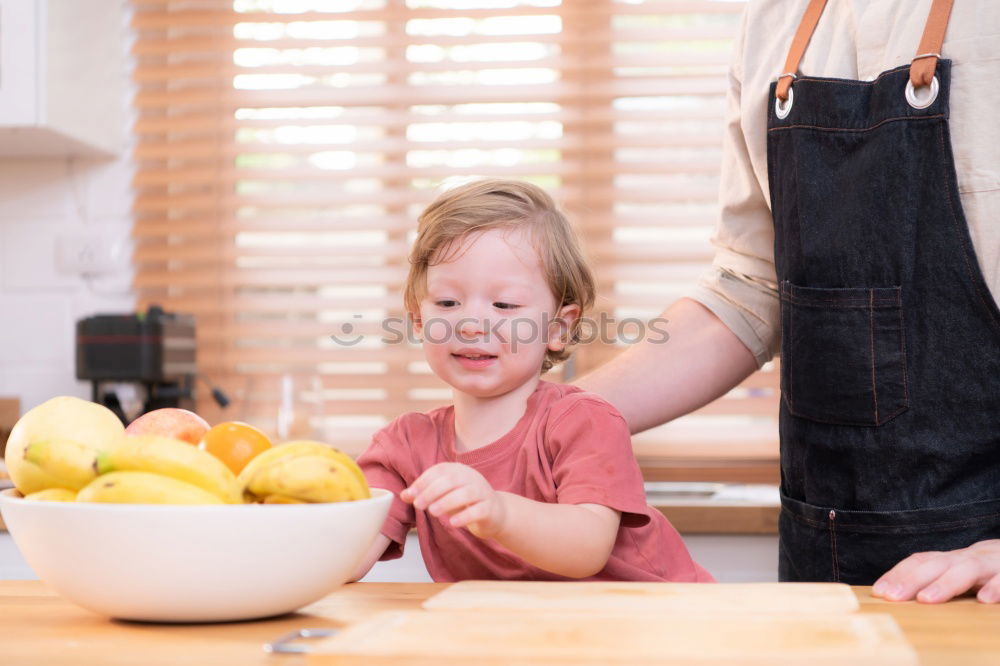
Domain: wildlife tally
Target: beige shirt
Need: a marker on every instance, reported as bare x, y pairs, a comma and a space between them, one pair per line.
855, 39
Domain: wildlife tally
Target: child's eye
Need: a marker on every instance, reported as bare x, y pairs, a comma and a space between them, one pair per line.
446, 303
506, 306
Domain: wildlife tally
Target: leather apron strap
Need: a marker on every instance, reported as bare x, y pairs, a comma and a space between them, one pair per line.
802, 36
925, 62
922, 66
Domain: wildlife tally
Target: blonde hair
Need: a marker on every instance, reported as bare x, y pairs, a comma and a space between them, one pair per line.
504, 204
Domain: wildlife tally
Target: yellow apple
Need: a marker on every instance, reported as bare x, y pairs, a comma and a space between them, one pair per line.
64, 417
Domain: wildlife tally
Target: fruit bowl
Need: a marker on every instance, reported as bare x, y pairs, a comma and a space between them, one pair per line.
210, 563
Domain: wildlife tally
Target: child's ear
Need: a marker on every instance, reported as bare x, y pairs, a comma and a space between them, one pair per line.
561, 325
418, 324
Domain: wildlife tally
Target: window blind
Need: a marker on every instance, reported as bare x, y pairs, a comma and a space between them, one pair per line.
286, 147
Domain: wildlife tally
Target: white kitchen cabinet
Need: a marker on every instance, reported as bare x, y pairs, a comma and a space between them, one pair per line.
62, 75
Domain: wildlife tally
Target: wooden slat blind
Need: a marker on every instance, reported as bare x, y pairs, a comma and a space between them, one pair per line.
285, 148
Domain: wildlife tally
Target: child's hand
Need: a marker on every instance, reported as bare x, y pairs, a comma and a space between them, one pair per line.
460, 493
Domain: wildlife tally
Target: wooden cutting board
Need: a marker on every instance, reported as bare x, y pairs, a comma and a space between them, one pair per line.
492, 638
796, 598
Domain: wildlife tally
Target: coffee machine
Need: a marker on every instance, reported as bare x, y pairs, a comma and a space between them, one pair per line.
139, 362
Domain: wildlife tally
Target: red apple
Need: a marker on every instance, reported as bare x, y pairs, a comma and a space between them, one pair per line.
170, 422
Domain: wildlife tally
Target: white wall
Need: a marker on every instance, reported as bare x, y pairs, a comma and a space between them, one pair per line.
42, 200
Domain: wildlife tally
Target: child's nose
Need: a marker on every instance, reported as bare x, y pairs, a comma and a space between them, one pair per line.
470, 327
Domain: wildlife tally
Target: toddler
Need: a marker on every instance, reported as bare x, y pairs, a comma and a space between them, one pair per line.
520, 478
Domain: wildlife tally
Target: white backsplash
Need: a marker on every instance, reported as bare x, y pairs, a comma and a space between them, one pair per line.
42, 200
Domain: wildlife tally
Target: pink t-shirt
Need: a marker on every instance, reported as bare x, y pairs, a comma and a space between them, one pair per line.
569, 447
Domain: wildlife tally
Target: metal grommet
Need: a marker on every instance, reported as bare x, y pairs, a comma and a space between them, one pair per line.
782, 109
911, 94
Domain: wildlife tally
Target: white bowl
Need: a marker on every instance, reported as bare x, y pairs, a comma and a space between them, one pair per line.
193, 563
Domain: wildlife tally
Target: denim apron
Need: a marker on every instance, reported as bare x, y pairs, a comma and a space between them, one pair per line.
890, 371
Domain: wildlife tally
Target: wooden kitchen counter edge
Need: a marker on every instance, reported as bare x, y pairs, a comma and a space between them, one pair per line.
37, 627
716, 518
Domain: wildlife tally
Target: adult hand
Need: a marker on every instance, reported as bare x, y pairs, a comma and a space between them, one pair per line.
934, 577
460, 495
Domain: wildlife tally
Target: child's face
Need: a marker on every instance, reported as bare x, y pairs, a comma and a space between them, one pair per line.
487, 317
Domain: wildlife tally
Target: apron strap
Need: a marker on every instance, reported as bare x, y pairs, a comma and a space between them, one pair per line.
922, 67
799, 43
925, 62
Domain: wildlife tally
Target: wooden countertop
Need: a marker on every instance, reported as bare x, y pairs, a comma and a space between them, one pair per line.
37, 627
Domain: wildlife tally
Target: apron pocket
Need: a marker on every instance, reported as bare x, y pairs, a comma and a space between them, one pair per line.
843, 354
856, 547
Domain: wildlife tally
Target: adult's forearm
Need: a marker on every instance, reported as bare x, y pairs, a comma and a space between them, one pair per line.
653, 382
565, 539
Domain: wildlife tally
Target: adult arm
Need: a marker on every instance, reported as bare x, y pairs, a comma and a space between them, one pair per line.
655, 381
728, 326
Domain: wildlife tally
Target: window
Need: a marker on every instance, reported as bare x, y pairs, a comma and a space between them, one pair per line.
285, 148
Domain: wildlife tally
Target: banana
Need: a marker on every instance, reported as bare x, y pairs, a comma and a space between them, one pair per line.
173, 458
69, 463
143, 488
282, 499
310, 478
297, 448
348, 462
53, 495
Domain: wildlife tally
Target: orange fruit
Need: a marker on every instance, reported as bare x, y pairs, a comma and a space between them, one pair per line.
235, 443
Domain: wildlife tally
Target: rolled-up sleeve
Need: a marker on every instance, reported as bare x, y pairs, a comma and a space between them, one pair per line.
740, 286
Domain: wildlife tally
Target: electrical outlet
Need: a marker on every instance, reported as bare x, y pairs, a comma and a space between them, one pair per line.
93, 254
